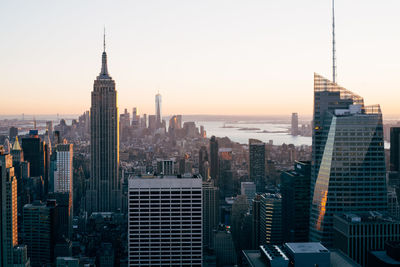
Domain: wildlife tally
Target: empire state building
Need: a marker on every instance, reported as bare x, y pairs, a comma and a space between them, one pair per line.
104, 192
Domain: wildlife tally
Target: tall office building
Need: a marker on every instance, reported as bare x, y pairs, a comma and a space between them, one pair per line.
255, 222
104, 193
271, 219
210, 212
152, 122
158, 111
135, 118
357, 233
225, 181
348, 158
37, 153
214, 158
295, 124
257, 163
395, 149
39, 228
8, 208
13, 132
124, 124
295, 190
249, 190
169, 230
203, 163
63, 188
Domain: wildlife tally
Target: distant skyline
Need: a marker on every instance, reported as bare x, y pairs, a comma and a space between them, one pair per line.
204, 57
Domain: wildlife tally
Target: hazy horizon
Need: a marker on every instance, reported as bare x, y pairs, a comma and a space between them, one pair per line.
210, 57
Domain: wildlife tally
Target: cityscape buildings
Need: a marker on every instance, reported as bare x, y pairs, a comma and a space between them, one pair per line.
128, 191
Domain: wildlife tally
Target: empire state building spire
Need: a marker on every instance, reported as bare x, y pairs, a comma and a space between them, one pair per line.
104, 71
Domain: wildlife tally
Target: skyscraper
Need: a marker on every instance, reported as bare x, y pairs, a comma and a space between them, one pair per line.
169, 231
39, 228
8, 208
214, 158
158, 111
271, 219
63, 188
63, 181
37, 153
348, 159
295, 190
395, 149
257, 163
225, 180
203, 163
104, 193
210, 212
295, 124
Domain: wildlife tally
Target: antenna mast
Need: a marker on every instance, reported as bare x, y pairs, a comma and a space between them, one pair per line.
104, 39
333, 43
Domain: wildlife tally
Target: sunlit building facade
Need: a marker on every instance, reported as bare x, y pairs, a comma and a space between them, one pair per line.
348, 158
8, 209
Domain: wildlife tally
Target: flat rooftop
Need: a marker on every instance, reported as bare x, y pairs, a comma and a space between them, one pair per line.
308, 247
365, 217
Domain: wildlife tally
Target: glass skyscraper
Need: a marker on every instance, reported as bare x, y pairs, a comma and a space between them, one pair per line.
348, 158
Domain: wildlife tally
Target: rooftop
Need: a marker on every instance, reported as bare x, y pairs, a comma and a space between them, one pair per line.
365, 217
308, 247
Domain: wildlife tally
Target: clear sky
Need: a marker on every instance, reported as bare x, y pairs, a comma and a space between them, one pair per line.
205, 57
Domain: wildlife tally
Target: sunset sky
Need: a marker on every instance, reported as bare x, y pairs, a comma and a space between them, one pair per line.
205, 57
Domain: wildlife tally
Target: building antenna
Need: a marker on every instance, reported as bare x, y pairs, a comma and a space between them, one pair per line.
104, 39
334, 67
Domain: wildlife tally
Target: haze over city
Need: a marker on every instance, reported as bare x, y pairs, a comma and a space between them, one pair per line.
204, 57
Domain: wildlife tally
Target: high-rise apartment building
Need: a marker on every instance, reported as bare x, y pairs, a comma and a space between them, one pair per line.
257, 163
295, 124
165, 221
8, 210
63, 175
295, 190
104, 193
348, 158
210, 212
271, 219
